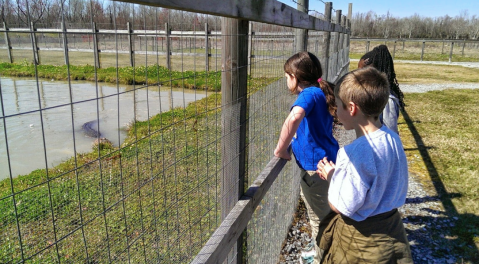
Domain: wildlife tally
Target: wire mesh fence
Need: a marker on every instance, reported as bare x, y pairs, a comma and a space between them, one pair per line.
118, 154
266, 231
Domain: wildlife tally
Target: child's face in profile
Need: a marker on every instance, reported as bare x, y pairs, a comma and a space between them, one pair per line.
343, 114
291, 82
362, 63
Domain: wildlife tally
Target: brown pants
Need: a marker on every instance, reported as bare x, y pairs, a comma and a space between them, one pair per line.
378, 239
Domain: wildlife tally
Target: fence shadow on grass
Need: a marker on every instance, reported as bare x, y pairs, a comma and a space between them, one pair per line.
444, 231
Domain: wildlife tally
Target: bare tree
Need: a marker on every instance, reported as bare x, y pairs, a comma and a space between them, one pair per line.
474, 27
29, 11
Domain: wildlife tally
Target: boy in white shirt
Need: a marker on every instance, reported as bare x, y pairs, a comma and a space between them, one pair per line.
369, 180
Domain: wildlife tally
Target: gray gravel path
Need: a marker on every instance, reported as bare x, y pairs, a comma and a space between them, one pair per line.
426, 221
421, 88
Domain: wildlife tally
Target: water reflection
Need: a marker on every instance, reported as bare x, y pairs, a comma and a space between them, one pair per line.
36, 138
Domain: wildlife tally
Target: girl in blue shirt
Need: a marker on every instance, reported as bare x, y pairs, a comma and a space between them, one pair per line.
309, 129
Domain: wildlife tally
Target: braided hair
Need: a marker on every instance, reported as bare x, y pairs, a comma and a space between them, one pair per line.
382, 60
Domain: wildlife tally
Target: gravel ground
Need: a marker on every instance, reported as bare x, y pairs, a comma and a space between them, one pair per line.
426, 221
421, 88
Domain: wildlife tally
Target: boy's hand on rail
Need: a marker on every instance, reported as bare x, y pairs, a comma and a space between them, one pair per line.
325, 169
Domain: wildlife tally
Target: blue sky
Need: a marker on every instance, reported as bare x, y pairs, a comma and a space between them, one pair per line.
400, 8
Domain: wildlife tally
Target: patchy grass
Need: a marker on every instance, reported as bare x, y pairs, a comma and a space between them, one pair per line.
154, 74
409, 73
439, 132
433, 51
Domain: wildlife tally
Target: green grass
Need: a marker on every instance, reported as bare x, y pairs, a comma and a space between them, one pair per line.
154, 74
445, 124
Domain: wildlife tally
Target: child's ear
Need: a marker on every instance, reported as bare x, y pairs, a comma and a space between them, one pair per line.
353, 108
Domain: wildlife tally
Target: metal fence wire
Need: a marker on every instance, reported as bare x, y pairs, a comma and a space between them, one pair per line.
123, 154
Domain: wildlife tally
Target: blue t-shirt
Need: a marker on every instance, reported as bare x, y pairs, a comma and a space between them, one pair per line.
314, 138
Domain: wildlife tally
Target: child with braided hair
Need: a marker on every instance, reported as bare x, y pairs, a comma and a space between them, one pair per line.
381, 59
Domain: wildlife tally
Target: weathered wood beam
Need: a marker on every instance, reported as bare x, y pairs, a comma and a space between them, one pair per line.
265, 11
226, 235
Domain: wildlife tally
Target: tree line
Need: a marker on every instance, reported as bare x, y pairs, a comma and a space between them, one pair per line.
112, 14
106, 14
370, 24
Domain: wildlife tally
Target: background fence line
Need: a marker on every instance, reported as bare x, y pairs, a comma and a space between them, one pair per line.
421, 46
157, 189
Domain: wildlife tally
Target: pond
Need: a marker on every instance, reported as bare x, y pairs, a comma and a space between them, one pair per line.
43, 123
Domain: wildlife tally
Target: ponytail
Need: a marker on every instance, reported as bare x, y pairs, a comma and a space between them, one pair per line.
328, 90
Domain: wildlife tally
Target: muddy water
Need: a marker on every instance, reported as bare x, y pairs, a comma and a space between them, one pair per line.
41, 122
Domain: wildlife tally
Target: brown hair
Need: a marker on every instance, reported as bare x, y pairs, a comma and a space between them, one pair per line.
307, 70
368, 88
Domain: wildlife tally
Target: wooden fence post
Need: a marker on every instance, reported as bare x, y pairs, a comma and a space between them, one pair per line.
463, 46
394, 49
341, 35
234, 57
250, 46
168, 46
442, 51
326, 42
301, 35
207, 49
96, 51
336, 44
346, 44
65, 42
8, 43
33, 37
345, 25
450, 53
342, 47
130, 44
367, 46
350, 14
422, 49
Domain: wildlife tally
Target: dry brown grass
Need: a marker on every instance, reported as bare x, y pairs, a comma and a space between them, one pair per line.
409, 73
424, 73
433, 51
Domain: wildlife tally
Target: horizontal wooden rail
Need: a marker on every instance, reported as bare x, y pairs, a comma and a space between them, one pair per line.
264, 11
219, 245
